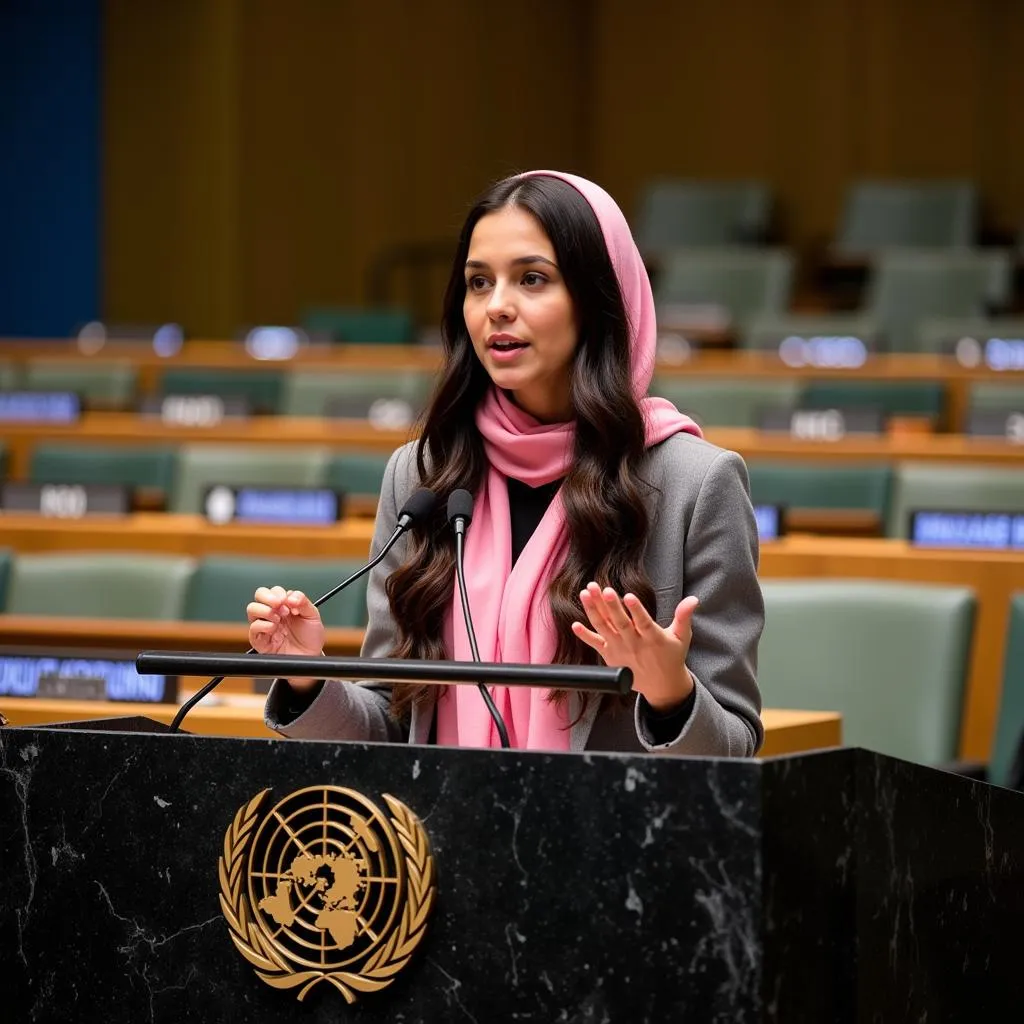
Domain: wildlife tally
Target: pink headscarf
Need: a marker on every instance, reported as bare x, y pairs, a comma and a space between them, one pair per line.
511, 611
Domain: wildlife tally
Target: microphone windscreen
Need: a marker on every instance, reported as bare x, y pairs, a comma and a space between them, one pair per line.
419, 505
460, 506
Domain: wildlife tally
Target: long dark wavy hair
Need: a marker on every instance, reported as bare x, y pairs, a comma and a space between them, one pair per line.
603, 490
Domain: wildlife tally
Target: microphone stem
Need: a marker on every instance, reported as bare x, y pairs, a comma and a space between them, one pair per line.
460, 573
217, 680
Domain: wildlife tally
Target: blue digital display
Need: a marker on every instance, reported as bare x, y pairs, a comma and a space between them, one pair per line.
995, 353
1000, 531
769, 521
39, 407
20, 675
309, 506
831, 351
300, 508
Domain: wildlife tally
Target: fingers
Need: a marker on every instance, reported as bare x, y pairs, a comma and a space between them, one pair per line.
276, 603
641, 617
254, 611
264, 636
604, 609
589, 637
682, 620
273, 597
298, 604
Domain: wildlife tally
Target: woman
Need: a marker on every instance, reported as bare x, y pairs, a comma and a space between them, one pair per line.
594, 504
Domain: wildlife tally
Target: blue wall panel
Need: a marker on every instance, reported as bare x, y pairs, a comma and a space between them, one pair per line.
50, 151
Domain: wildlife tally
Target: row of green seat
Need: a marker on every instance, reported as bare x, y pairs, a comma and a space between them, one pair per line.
114, 384
724, 401
182, 476
876, 214
216, 588
891, 493
901, 693
915, 301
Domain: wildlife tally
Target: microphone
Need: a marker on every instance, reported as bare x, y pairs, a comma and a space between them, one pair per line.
460, 515
419, 506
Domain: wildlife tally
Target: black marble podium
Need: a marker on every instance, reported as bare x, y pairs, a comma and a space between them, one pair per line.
838, 886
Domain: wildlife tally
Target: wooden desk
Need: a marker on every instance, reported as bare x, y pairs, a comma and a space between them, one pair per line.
226, 355
786, 732
129, 429
43, 633
993, 575
167, 533
170, 533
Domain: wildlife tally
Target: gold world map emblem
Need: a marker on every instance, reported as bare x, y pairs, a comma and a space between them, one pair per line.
326, 886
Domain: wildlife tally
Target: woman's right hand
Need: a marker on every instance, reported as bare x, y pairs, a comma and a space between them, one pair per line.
285, 622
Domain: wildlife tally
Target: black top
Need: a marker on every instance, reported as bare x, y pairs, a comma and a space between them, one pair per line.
527, 506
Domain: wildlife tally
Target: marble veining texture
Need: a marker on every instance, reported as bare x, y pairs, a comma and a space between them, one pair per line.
570, 888
841, 886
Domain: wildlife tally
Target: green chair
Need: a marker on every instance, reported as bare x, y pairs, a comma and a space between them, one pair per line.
139, 468
952, 488
110, 384
361, 326
677, 214
201, 466
221, 587
907, 287
893, 398
10, 378
307, 394
260, 388
1010, 723
890, 657
996, 397
885, 214
99, 585
725, 402
937, 334
356, 472
821, 485
5, 573
742, 282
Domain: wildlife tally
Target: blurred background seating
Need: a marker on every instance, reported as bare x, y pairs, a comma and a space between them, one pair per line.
817, 241
892, 657
99, 585
907, 214
221, 587
675, 214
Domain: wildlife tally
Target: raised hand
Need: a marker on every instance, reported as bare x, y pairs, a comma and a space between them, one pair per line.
284, 622
625, 635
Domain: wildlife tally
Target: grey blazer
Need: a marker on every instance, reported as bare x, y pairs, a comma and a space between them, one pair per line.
703, 541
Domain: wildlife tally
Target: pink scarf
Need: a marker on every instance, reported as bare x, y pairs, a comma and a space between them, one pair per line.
511, 612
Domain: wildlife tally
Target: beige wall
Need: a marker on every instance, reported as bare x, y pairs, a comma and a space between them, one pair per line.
259, 155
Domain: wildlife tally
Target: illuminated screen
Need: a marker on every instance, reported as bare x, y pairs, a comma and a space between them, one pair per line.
998, 531
20, 675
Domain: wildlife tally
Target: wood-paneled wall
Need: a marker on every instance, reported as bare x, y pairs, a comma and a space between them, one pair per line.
810, 95
270, 151
260, 155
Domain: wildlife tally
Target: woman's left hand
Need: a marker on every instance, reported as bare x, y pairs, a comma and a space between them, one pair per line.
625, 635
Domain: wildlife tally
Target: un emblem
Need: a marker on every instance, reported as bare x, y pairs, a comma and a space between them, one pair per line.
326, 886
